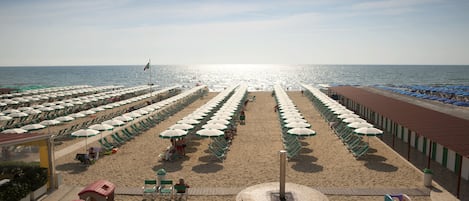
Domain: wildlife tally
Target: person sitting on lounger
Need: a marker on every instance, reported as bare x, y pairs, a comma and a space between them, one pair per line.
182, 186
91, 153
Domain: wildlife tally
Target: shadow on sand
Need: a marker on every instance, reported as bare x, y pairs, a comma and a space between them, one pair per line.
304, 163
72, 168
207, 168
171, 166
376, 162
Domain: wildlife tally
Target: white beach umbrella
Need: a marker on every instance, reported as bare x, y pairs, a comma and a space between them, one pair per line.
49, 122
108, 106
297, 125
194, 116
295, 120
46, 109
88, 112
31, 127
101, 127
9, 111
210, 133
188, 121
57, 107
366, 131
22, 109
49, 104
77, 115
301, 132
219, 121
65, 118
351, 120
37, 106
123, 118
181, 126
345, 116
17, 115
33, 111
15, 130
215, 126
97, 109
5, 118
85, 133
142, 112
359, 125
173, 133
114, 122
216, 117
132, 114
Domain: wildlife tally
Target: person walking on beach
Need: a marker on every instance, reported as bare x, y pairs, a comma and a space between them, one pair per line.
242, 118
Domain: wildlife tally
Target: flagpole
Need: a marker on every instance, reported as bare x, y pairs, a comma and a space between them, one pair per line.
151, 90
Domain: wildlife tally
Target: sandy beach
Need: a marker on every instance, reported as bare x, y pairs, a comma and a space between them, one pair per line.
252, 159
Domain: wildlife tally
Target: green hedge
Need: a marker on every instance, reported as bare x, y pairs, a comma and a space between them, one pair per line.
24, 179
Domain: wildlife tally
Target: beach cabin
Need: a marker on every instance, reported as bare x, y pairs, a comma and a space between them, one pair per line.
441, 136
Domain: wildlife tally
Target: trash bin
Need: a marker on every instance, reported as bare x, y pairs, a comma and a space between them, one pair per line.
161, 175
427, 177
100, 190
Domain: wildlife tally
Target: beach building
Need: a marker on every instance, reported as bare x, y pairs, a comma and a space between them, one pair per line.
443, 138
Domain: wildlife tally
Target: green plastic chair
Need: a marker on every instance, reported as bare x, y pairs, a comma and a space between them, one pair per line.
149, 189
166, 189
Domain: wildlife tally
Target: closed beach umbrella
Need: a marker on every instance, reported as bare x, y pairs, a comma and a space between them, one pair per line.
188, 121
123, 118
215, 126
181, 126
65, 119
31, 127
301, 132
15, 130
297, 125
85, 133
114, 122
173, 133
359, 125
366, 131
49, 122
210, 133
101, 127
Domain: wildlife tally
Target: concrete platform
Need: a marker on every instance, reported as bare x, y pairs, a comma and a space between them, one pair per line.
269, 192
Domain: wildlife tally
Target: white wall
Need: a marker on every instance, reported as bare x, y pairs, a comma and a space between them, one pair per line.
451, 160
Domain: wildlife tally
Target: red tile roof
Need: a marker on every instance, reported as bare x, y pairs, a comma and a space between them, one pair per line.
450, 131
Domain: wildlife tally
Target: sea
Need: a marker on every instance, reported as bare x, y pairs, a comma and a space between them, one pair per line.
217, 77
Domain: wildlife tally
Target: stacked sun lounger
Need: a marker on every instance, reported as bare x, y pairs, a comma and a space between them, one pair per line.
149, 116
288, 114
340, 119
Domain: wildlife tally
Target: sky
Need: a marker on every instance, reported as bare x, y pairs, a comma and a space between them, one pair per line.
129, 32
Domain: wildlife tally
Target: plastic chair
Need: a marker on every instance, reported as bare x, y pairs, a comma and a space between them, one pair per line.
149, 189
166, 189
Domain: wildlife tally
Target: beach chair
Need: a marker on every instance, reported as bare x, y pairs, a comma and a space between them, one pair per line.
123, 136
149, 189
127, 134
217, 153
115, 143
116, 138
360, 150
105, 146
165, 190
